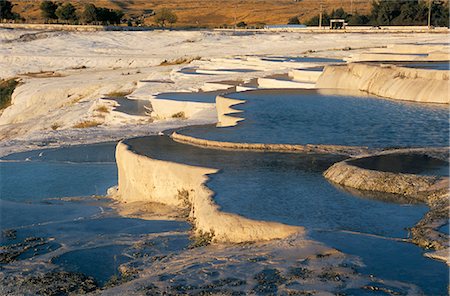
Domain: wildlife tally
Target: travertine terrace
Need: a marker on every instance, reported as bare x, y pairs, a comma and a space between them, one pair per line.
236, 162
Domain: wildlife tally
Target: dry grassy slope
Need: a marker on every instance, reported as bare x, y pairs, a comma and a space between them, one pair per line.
213, 12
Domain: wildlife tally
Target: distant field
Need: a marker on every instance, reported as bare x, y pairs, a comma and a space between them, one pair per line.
212, 13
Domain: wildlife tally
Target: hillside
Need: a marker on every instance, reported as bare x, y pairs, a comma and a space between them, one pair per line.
211, 13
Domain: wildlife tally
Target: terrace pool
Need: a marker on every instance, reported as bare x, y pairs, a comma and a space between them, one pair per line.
290, 188
330, 117
52, 198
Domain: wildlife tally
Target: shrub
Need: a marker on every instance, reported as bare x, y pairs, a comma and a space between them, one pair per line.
67, 12
179, 115
102, 109
6, 11
294, 21
87, 124
55, 126
89, 14
164, 16
48, 10
241, 25
179, 61
7, 88
109, 16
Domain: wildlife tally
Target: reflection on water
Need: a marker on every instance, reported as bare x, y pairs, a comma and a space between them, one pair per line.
280, 187
325, 118
101, 263
46, 203
444, 229
391, 259
201, 97
301, 59
289, 188
102, 153
412, 163
443, 66
132, 106
33, 181
284, 187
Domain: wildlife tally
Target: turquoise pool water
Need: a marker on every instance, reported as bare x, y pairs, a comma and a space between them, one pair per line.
313, 117
289, 188
442, 66
413, 163
280, 187
48, 195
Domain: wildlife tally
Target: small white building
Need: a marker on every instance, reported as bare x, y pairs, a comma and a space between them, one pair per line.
336, 24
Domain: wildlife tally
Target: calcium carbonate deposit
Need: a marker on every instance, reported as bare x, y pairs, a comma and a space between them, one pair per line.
215, 163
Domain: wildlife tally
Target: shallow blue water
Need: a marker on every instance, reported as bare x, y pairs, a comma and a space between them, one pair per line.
324, 118
92, 153
289, 188
443, 66
301, 59
34, 181
193, 71
100, 262
391, 260
280, 187
410, 163
445, 229
31, 186
201, 97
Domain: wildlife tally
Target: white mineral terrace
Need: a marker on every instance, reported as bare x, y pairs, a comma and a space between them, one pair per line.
92, 87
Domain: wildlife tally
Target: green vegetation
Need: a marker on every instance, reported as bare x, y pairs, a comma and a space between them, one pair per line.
66, 12
179, 115
294, 21
91, 14
164, 16
48, 10
385, 12
6, 11
7, 88
241, 25
409, 13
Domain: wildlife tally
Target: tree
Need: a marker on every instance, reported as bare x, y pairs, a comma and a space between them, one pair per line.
358, 19
108, 16
314, 21
339, 14
90, 13
164, 16
6, 10
116, 16
67, 12
48, 10
294, 21
440, 14
412, 12
241, 25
